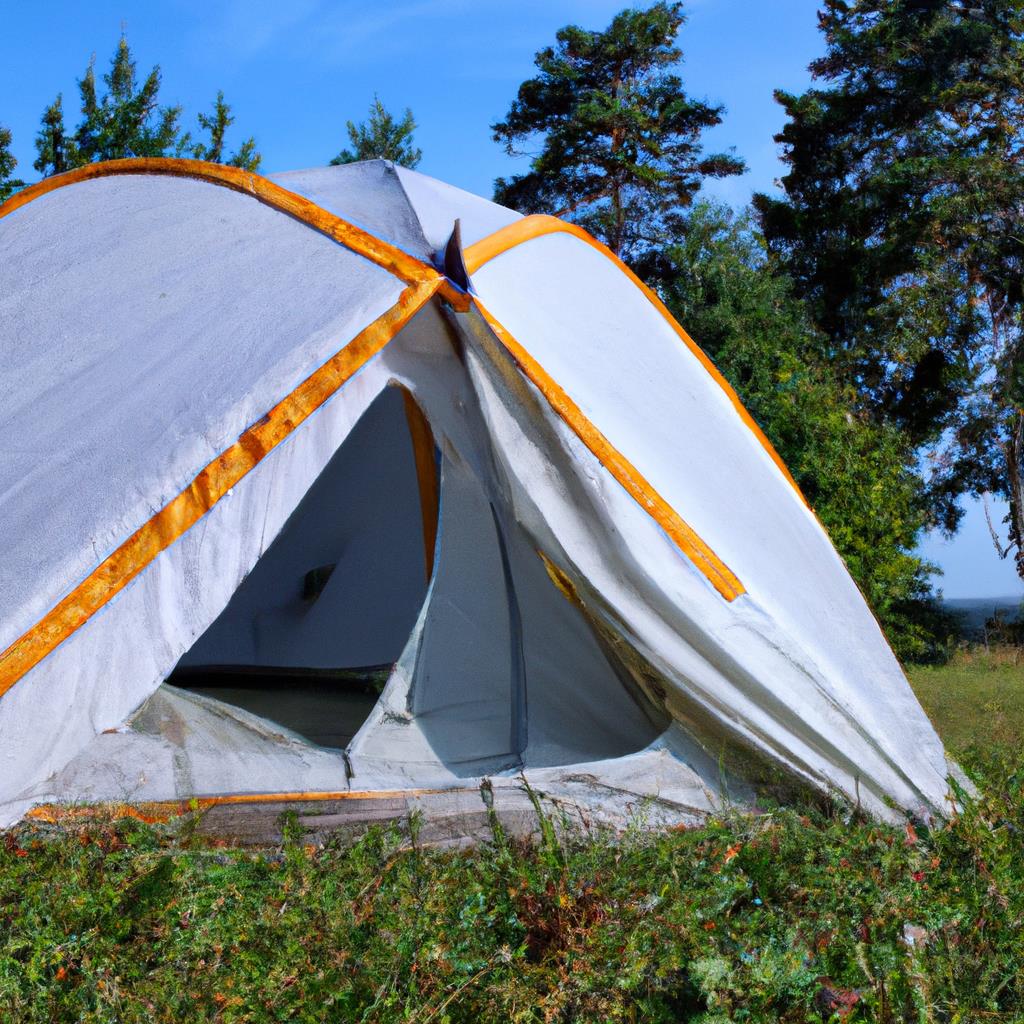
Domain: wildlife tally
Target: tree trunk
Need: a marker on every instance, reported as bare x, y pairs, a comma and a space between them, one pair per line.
1014, 453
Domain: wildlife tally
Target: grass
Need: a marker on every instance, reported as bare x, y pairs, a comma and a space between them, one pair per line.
977, 699
797, 915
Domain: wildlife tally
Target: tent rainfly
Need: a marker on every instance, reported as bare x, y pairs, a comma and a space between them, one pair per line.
260, 432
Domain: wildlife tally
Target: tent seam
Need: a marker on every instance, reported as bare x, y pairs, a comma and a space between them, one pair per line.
409, 203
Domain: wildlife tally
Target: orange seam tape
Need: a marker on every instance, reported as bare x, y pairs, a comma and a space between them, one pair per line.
389, 257
538, 225
160, 810
682, 534
208, 487
422, 438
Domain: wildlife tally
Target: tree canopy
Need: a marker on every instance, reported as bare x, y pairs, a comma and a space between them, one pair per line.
216, 126
128, 120
619, 140
8, 183
381, 137
900, 226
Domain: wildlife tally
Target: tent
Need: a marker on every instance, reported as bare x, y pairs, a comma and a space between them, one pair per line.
282, 438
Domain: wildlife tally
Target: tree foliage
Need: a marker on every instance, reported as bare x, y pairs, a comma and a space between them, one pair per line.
857, 473
901, 227
56, 151
381, 137
128, 120
8, 183
216, 126
619, 139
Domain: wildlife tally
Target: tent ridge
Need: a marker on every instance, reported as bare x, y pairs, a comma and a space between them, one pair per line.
211, 484
409, 203
385, 255
539, 224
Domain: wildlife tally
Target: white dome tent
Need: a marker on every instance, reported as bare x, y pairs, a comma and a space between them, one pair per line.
295, 425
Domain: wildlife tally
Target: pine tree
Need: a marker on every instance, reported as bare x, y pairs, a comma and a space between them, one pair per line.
8, 183
216, 125
901, 226
381, 137
57, 151
128, 121
619, 139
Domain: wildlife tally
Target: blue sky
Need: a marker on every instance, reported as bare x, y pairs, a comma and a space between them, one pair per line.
295, 71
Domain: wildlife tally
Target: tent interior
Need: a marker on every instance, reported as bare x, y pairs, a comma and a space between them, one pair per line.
308, 638
506, 672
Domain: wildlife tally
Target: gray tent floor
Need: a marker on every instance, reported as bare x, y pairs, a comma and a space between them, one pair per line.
181, 745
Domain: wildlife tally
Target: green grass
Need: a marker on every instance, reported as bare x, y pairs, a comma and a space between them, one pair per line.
975, 700
797, 915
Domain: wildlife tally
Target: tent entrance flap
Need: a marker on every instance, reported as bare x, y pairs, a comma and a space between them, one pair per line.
309, 637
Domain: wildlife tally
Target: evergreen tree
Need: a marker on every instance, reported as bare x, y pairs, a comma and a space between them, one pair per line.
8, 183
381, 137
901, 226
619, 139
128, 121
216, 125
57, 152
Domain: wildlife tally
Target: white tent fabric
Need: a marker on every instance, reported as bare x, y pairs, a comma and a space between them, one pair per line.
203, 405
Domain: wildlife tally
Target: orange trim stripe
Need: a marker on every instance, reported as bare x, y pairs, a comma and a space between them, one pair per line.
422, 438
389, 257
161, 810
211, 484
538, 225
682, 534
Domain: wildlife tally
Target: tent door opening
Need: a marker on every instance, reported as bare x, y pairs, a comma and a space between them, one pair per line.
308, 639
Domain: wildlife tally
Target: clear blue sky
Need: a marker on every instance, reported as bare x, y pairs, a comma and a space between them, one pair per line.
295, 71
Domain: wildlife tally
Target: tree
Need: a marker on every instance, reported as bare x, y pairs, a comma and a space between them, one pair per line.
619, 140
217, 124
381, 137
57, 152
901, 227
857, 473
8, 183
128, 121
